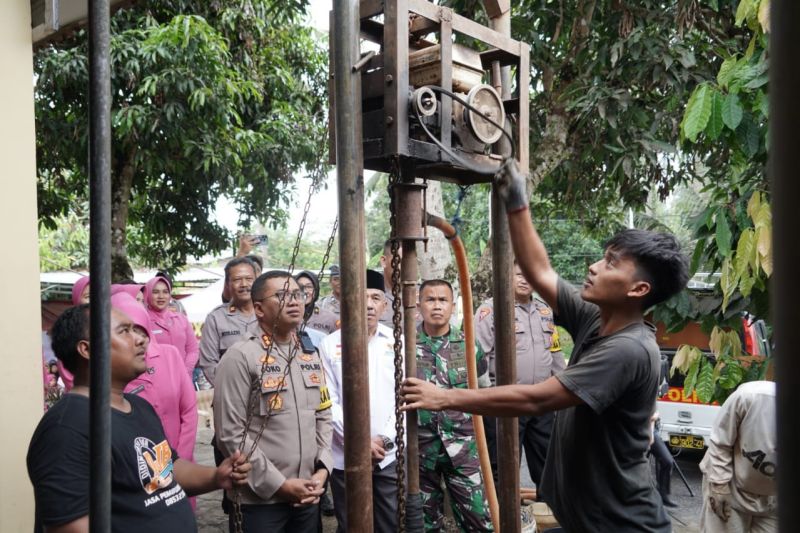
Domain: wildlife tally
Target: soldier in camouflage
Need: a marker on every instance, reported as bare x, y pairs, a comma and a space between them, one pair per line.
447, 445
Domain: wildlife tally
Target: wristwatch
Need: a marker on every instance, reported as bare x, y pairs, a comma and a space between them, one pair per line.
388, 444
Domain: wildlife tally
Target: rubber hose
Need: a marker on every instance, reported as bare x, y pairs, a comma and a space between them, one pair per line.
469, 340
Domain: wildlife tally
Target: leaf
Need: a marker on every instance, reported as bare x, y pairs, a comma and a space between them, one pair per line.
763, 15
727, 282
764, 237
715, 121
715, 340
691, 373
753, 206
681, 361
697, 256
726, 71
732, 111
732, 375
723, 233
705, 381
697, 113
746, 251
744, 11
749, 137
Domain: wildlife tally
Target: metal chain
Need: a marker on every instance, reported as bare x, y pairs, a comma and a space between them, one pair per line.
399, 360
255, 386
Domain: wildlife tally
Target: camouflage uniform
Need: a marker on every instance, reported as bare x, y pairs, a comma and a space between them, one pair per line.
447, 445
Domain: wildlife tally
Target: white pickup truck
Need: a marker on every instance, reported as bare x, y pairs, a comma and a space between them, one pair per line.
685, 421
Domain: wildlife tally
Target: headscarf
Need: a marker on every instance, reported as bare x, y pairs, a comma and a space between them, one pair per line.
77, 289
309, 309
127, 304
148, 294
128, 288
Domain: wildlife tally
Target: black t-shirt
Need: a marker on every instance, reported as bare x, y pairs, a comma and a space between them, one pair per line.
597, 477
144, 493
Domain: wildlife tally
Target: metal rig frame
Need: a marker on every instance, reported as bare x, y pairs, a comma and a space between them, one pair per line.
370, 100
385, 88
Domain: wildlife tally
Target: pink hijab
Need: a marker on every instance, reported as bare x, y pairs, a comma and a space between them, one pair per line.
148, 294
77, 289
127, 304
130, 289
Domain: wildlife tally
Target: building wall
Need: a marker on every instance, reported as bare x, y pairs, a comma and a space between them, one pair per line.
20, 321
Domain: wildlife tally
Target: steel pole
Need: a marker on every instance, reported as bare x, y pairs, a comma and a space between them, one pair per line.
100, 265
784, 159
352, 243
502, 293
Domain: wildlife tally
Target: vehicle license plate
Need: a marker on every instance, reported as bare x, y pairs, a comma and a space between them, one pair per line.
693, 442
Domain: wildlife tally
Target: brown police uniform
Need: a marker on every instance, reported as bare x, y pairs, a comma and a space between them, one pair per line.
297, 439
538, 356
323, 320
330, 303
224, 326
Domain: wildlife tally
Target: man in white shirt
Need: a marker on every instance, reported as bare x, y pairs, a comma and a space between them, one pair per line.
739, 490
381, 408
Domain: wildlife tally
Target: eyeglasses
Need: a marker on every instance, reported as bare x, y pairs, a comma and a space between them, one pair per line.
298, 295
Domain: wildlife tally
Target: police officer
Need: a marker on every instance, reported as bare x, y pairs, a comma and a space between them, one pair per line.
319, 322
227, 323
538, 357
331, 302
293, 457
447, 447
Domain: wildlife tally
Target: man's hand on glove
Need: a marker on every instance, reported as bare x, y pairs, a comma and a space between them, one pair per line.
511, 185
719, 498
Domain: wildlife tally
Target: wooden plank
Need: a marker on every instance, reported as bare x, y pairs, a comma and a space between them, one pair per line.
495, 8
446, 69
395, 96
466, 26
501, 56
370, 8
372, 31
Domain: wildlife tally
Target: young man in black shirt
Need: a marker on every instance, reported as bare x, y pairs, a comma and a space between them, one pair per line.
596, 476
149, 482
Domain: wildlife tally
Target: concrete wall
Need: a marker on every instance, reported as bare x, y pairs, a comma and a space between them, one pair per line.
20, 351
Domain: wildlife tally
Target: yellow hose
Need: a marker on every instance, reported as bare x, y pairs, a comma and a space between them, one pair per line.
469, 340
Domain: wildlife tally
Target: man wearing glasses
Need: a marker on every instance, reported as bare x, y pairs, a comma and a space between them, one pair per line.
290, 410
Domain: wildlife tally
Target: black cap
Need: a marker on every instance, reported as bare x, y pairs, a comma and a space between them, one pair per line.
375, 280
334, 270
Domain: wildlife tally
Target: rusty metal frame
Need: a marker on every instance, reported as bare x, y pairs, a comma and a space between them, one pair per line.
386, 89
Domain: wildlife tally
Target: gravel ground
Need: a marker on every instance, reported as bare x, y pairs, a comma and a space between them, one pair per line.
685, 518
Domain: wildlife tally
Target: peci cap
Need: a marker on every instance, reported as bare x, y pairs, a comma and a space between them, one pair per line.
334, 270
375, 280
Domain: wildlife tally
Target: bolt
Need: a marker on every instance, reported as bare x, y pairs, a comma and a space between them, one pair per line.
389, 79
389, 120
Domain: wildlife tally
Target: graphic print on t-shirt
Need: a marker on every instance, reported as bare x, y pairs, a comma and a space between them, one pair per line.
154, 462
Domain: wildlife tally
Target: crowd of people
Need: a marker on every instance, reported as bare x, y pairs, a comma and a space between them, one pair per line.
273, 352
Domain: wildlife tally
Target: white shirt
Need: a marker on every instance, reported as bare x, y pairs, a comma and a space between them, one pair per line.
381, 389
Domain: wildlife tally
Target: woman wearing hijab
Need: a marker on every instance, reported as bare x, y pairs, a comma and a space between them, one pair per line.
170, 327
80, 291
165, 384
80, 295
133, 289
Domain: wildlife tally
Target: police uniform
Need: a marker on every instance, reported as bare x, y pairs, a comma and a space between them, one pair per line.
447, 445
323, 320
297, 438
331, 304
539, 356
224, 326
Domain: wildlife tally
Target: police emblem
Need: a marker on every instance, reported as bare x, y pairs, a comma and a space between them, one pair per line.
314, 378
267, 359
275, 403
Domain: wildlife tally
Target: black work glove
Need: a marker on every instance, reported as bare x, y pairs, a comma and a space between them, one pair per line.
511, 185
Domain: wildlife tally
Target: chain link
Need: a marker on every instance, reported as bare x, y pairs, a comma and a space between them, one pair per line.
399, 360
318, 176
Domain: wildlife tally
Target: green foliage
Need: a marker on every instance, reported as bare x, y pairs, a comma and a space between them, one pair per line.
66, 245
210, 99
309, 256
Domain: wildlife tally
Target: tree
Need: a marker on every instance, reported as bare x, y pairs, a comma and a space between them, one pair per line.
209, 99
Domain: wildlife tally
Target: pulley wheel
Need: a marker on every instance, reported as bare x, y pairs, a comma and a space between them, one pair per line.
487, 101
